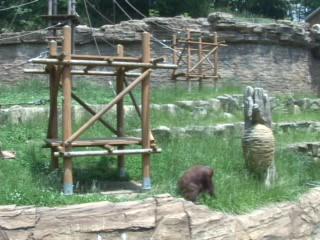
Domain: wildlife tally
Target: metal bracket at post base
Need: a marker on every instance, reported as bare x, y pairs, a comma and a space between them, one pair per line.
146, 183
67, 189
122, 173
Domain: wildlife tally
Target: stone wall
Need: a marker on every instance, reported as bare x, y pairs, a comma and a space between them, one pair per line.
273, 67
162, 218
279, 56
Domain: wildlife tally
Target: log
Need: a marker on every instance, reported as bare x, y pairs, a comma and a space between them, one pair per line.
84, 72
103, 63
107, 153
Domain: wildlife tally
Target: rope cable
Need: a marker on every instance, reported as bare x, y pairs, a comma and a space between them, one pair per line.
141, 14
90, 24
17, 6
154, 38
29, 33
96, 43
97, 11
41, 55
106, 41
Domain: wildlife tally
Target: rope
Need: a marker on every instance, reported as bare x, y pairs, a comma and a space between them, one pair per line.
40, 101
90, 24
96, 43
115, 1
97, 11
141, 14
154, 38
17, 6
41, 55
29, 33
109, 43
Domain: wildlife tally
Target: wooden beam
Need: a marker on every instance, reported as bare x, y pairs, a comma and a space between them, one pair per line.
92, 120
120, 112
92, 112
106, 58
202, 59
67, 109
199, 59
97, 142
203, 43
203, 76
103, 63
188, 59
133, 100
108, 153
83, 72
175, 59
54, 78
215, 59
145, 103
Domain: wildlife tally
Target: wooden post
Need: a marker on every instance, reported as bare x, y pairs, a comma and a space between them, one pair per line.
120, 113
174, 46
215, 59
53, 115
50, 10
67, 109
50, 7
174, 59
188, 59
69, 7
72, 11
145, 123
54, 12
55, 7
200, 66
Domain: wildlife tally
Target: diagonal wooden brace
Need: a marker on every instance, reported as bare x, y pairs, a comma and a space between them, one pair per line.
97, 116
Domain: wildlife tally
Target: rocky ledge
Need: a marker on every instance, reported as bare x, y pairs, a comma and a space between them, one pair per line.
229, 28
161, 217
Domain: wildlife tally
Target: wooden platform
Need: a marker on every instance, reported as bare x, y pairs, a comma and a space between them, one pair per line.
119, 141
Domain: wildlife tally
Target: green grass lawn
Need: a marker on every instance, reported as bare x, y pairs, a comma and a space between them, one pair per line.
31, 91
29, 180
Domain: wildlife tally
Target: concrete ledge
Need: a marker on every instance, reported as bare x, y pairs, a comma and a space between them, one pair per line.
162, 217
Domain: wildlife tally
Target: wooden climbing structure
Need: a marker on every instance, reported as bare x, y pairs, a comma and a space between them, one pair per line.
61, 66
197, 60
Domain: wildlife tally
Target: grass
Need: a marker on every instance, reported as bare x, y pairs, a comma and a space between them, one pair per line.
30, 92
303, 116
29, 180
246, 16
24, 93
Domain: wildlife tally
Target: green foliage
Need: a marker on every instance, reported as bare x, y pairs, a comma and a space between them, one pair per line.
28, 180
28, 17
269, 8
30, 91
195, 8
277, 9
154, 13
23, 18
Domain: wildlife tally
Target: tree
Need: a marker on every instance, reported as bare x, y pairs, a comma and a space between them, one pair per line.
277, 9
267, 8
20, 18
195, 8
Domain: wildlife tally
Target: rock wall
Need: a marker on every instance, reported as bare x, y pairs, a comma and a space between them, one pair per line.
162, 218
279, 56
